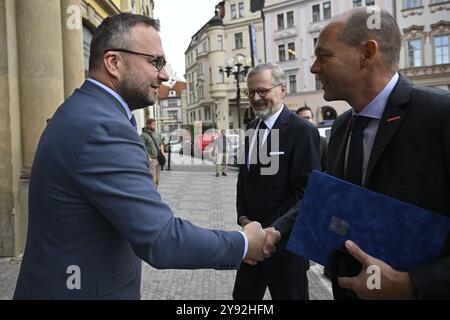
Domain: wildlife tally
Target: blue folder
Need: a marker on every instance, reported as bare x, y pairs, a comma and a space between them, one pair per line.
396, 232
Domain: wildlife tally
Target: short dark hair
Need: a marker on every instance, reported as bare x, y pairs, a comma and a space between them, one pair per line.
150, 121
388, 36
113, 32
304, 108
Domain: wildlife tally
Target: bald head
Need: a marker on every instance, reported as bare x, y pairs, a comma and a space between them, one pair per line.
371, 23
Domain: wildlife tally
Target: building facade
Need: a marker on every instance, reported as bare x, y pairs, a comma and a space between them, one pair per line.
234, 32
170, 102
43, 45
425, 56
292, 28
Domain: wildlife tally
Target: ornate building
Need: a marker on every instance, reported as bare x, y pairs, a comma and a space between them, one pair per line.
43, 53
233, 32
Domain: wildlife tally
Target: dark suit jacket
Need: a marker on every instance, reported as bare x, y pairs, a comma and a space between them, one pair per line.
265, 198
92, 204
410, 161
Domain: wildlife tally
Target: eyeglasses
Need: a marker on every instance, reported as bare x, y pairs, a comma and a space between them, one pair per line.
262, 92
157, 61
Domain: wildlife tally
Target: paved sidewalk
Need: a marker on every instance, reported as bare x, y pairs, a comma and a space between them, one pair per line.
207, 201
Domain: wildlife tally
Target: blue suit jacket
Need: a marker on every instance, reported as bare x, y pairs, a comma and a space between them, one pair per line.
92, 204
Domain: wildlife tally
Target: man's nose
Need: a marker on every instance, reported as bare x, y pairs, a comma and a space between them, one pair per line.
163, 74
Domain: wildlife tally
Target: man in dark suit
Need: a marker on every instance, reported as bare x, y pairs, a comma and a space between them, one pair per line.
94, 212
281, 151
305, 112
405, 139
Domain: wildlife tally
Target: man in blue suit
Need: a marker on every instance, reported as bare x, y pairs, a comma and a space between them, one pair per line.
93, 210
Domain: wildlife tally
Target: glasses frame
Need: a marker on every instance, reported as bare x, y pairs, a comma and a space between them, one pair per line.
251, 93
158, 62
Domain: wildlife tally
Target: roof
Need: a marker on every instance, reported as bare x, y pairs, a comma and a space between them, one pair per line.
178, 86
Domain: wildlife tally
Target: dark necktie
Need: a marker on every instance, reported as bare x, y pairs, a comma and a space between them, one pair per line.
133, 122
255, 167
355, 151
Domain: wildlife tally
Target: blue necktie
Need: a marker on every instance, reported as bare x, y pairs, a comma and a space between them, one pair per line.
133, 122
355, 151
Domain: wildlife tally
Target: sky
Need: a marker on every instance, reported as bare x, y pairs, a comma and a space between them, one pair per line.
180, 20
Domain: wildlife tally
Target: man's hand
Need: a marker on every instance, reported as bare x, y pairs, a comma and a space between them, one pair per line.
256, 237
393, 284
273, 236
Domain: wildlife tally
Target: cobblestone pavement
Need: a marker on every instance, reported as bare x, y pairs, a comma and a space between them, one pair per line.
195, 194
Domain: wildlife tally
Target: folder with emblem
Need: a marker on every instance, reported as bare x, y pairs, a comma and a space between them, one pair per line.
396, 232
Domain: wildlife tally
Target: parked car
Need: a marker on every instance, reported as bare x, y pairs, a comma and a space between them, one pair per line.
175, 146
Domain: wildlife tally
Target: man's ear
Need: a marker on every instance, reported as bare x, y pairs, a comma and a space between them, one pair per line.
113, 61
369, 51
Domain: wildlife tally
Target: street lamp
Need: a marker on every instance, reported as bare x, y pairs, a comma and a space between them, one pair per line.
238, 65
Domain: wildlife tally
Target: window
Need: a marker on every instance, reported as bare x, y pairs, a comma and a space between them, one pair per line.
370, 2
357, 3
290, 19
316, 13
281, 53
87, 38
200, 68
233, 11
408, 4
172, 103
220, 41
205, 46
441, 49
221, 76
280, 21
327, 10
238, 42
173, 114
291, 51
241, 9
292, 83
415, 53
438, 1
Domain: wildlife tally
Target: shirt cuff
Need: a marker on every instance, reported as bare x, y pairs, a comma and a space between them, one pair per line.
246, 244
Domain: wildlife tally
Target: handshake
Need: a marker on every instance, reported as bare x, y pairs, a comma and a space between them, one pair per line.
261, 242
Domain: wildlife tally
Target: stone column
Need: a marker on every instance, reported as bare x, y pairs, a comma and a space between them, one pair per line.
72, 35
40, 68
41, 85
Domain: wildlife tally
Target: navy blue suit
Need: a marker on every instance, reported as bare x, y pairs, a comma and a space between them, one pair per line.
265, 198
92, 204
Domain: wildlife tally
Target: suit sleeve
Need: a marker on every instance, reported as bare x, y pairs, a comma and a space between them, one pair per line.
306, 158
432, 281
113, 175
241, 208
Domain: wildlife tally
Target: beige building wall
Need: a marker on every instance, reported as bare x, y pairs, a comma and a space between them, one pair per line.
302, 34
41, 63
424, 23
211, 95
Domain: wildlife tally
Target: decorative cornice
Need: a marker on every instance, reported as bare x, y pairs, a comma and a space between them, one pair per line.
439, 6
413, 11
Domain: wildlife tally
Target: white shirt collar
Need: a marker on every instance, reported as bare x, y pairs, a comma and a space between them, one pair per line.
376, 107
115, 95
270, 121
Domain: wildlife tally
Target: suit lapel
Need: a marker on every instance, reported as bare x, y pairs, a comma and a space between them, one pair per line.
344, 132
392, 118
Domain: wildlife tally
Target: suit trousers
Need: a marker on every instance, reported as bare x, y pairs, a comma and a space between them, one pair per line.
284, 273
